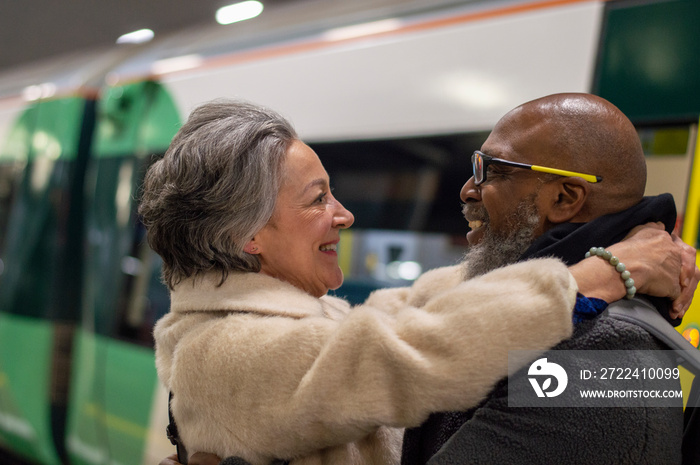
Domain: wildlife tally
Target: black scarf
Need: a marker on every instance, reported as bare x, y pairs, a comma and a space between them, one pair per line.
570, 241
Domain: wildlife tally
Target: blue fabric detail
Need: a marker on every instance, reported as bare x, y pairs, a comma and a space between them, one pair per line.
587, 308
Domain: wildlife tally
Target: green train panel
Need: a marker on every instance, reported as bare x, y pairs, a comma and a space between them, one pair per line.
43, 159
111, 397
25, 358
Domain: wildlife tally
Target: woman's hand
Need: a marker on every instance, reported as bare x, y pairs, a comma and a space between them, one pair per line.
690, 276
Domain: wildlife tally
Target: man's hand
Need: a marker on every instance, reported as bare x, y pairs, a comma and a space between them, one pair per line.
661, 265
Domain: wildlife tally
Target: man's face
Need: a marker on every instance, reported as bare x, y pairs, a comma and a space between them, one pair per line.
502, 247
505, 212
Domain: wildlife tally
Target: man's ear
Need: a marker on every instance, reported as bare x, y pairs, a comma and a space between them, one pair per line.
567, 200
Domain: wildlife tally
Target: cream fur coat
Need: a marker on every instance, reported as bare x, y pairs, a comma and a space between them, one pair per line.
262, 370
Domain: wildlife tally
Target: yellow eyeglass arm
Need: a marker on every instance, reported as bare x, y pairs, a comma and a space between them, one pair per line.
587, 177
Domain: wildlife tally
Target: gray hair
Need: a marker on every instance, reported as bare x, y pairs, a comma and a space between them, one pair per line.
215, 188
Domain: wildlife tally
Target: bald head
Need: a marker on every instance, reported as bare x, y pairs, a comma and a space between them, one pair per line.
584, 133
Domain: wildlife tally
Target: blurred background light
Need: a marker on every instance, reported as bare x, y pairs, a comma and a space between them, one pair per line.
238, 12
473, 89
360, 30
136, 37
406, 270
181, 63
45, 90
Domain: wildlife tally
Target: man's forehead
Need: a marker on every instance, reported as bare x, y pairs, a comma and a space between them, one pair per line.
521, 147
520, 131
503, 151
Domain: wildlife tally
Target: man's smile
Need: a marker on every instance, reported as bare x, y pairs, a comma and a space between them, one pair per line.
475, 224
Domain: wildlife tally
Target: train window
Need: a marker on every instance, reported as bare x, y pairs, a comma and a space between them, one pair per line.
404, 194
645, 89
410, 184
9, 174
123, 292
13, 154
143, 298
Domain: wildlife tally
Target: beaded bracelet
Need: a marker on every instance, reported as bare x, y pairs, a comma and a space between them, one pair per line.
619, 267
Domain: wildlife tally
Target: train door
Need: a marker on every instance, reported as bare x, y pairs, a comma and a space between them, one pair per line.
39, 285
114, 379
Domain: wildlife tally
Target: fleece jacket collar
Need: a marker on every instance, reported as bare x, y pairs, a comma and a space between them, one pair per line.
570, 241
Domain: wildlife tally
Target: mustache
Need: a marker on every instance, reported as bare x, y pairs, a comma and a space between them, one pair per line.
474, 212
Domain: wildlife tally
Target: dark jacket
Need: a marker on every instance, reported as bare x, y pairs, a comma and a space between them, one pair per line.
498, 434
495, 433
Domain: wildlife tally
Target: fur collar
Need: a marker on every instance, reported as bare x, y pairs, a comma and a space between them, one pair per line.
249, 292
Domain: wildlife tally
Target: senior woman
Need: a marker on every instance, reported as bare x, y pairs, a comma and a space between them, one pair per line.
262, 363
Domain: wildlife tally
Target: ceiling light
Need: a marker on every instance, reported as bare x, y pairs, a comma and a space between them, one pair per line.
238, 12
136, 37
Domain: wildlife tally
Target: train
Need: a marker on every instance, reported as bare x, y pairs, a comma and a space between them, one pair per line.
394, 95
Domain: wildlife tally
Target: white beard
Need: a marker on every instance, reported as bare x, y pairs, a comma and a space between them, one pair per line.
501, 249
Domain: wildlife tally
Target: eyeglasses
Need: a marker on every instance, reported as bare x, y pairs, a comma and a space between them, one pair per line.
481, 162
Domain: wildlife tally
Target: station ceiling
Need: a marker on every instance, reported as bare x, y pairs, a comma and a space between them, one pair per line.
31, 30
34, 30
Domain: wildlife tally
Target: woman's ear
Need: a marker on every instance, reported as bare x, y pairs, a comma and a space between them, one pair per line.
568, 200
251, 247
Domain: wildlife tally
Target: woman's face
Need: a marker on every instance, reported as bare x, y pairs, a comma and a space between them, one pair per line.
298, 244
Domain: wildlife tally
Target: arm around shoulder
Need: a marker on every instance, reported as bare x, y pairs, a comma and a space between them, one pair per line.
448, 354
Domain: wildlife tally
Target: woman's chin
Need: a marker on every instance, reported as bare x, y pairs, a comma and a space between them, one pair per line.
336, 281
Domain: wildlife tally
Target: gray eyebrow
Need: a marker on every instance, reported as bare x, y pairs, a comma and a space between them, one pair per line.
316, 182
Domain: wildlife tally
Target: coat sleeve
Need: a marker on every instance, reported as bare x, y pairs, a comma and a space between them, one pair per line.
312, 383
427, 286
445, 355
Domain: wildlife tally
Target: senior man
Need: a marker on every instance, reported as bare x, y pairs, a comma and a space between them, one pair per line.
520, 208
